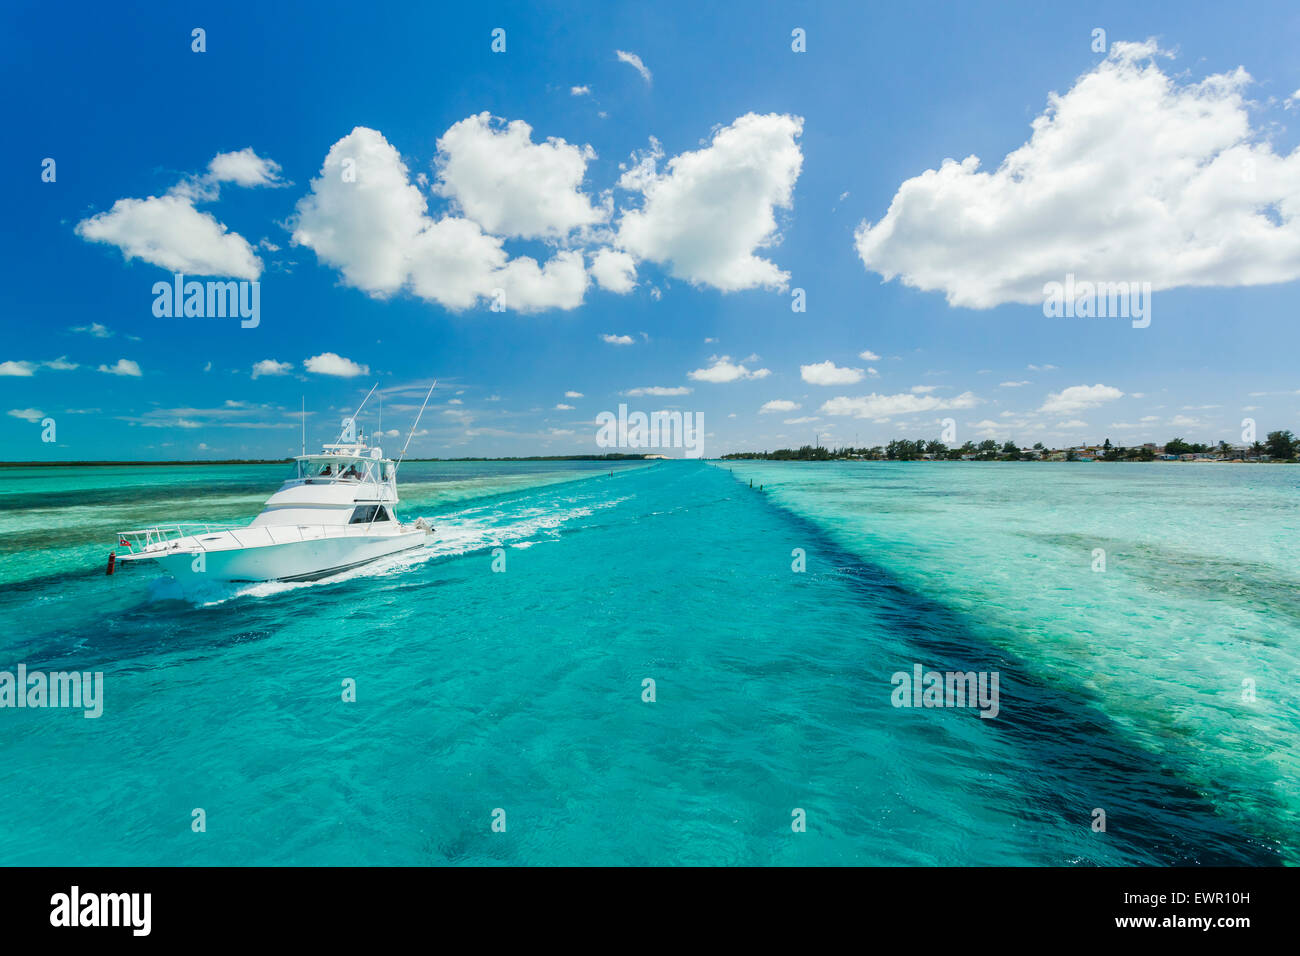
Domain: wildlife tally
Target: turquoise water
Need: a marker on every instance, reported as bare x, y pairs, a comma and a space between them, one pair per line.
476, 690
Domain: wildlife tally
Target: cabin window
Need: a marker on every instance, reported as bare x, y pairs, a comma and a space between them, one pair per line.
364, 514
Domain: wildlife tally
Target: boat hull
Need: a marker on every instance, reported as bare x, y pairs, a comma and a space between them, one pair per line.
305, 560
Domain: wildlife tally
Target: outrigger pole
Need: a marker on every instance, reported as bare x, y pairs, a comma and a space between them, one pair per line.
408, 442
358, 411
414, 427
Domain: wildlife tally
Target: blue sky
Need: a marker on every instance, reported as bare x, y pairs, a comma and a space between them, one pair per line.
725, 172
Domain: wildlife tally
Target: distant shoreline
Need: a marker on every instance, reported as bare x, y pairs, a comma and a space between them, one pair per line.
1027, 461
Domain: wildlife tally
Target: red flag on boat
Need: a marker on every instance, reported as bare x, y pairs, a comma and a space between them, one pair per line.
124, 542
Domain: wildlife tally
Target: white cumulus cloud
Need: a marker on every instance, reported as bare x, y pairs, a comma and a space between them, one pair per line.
122, 367
724, 370
497, 176
828, 373
271, 367
1078, 397
168, 231
713, 208
614, 270
244, 168
1133, 174
364, 217
331, 363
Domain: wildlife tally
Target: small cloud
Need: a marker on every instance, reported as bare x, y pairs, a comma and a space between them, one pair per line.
573, 394
32, 415
778, 405
634, 61
659, 391
122, 367
723, 370
580, 91
95, 329
614, 270
1041, 368
866, 354
329, 363
270, 367
561, 407
1078, 397
244, 168
617, 339
22, 369
828, 373
1011, 384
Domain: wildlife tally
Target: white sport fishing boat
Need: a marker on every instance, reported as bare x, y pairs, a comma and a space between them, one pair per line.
334, 512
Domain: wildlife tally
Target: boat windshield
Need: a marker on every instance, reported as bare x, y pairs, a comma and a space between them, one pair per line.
338, 468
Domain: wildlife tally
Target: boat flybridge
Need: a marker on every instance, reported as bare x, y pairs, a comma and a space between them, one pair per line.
333, 512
